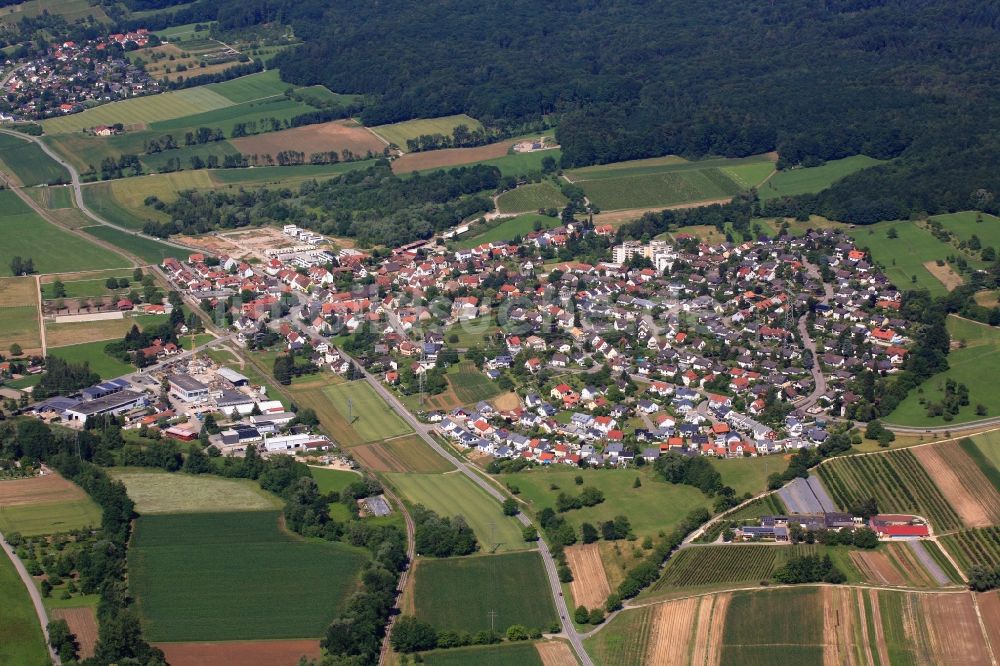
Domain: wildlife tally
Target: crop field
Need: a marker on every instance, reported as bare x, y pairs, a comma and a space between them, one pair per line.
967, 489
974, 547
122, 201
531, 197
283, 175
28, 163
408, 453
624, 640
20, 325
653, 507
459, 593
139, 111
929, 628
659, 189
23, 233
793, 632
507, 229
900, 564
895, 479
157, 492
76, 333
450, 157
365, 411
398, 133
985, 450
146, 249
18, 292
974, 365
251, 653
253, 86
814, 179
49, 517
453, 494
713, 565
336, 136
522, 654
52, 198
471, 385
21, 639
302, 584
108, 367
903, 258
590, 586
279, 108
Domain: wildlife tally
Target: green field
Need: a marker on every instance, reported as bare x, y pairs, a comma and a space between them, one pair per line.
251, 87
108, 367
146, 249
333, 479
90, 288
454, 494
19, 324
792, 632
472, 332
142, 110
184, 31
280, 108
284, 175
502, 654
21, 639
531, 197
157, 492
471, 385
49, 517
814, 179
28, 163
52, 198
398, 133
653, 507
373, 420
624, 640
975, 365
895, 479
964, 226
71, 10
459, 593
667, 181
23, 233
988, 444
520, 164
748, 475
903, 258
210, 577
122, 201
509, 228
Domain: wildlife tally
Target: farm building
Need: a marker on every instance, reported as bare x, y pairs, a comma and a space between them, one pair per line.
894, 526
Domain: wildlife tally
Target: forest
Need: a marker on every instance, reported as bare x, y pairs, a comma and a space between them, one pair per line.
908, 80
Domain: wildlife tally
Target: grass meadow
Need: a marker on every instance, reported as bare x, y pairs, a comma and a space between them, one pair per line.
108, 367
793, 632
903, 257
21, 639
146, 249
52, 198
29, 164
251, 87
49, 517
156, 492
965, 226
24, 233
814, 179
210, 577
398, 133
71, 10
471, 385
90, 288
974, 365
459, 593
454, 494
522, 654
283, 175
139, 111
654, 506
507, 229
531, 197
373, 419
19, 324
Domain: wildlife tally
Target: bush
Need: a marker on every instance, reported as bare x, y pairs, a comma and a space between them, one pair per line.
581, 615
411, 635
517, 632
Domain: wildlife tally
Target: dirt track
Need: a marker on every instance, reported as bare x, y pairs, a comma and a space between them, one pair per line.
590, 583
961, 481
244, 653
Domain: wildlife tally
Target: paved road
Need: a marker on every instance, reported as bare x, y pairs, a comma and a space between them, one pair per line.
424, 431
36, 597
819, 379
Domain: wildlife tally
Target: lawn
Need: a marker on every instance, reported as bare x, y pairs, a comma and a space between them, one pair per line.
23, 233
903, 257
29, 164
471, 385
365, 411
21, 639
748, 475
156, 492
460, 593
509, 228
49, 517
333, 479
146, 249
142, 110
108, 367
472, 332
975, 365
521, 654
793, 630
232, 576
398, 133
454, 494
814, 179
653, 507
531, 197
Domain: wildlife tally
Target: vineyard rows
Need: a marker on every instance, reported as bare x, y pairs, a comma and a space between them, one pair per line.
711, 565
897, 482
971, 547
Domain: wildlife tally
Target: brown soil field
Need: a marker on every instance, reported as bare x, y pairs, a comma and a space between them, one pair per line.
60, 335
672, 627
555, 653
988, 299
506, 401
945, 275
408, 453
989, 609
619, 217
876, 568
48, 488
245, 653
590, 584
449, 157
953, 631
839, 605
335, 135
709, 630
83, 623
17, 292
905, 559
962, 482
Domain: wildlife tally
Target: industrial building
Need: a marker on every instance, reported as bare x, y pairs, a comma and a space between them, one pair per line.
187, 388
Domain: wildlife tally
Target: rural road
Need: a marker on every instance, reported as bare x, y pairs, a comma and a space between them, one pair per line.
36, 597
424, 431
819, 379
411, 548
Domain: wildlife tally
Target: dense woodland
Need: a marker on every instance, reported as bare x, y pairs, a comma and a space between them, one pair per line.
816, 80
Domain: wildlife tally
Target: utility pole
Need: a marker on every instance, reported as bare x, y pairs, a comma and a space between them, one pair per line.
350, 410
